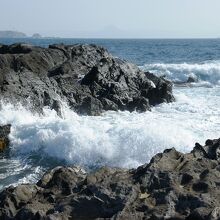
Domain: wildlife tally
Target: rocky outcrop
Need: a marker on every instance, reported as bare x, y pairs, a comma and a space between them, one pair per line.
172, 186
86, 77
4, 139
192, 79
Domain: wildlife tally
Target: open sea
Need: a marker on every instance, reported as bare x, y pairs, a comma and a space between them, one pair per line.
120, 139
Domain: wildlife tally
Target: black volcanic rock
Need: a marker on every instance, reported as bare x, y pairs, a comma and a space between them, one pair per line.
192, 79
172, 186
87, 77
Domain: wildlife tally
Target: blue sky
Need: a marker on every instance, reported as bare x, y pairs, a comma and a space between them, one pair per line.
113, 18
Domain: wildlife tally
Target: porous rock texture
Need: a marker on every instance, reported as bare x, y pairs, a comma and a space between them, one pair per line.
88, 78
172, 186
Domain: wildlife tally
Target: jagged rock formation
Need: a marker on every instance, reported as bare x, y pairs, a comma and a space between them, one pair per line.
172, 186
86, 77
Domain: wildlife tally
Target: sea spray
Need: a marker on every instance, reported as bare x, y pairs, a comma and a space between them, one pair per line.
208, 73
121, 139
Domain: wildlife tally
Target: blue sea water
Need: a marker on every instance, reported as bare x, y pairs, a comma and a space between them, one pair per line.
144, 51
120, 139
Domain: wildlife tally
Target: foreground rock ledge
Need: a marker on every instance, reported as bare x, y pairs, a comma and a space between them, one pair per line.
172, 186
86, 77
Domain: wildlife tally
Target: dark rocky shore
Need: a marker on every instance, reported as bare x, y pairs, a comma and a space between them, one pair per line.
90, 80
172, 186
86, 77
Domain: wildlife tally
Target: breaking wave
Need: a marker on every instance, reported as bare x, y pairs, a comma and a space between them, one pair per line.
119, 139
207, 73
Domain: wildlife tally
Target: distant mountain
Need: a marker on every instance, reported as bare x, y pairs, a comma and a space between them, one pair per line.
36, 35
12, 34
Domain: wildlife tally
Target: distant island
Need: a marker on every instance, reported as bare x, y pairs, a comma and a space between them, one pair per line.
12, 34
17, 34
36, 35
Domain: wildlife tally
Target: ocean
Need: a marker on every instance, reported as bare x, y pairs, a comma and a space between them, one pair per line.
120, 139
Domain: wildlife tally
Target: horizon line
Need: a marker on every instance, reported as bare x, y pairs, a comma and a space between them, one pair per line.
115, 38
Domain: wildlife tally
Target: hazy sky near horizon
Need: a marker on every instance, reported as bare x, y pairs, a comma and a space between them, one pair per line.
113, 18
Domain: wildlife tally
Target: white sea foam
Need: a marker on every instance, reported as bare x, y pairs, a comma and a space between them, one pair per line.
207, 72
119, 139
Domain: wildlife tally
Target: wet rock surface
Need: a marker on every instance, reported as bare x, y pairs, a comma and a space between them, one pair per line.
86, 77
172, 186
192, 79
4, 139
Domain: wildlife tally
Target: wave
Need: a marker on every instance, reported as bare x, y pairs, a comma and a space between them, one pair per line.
208, 73
119, 139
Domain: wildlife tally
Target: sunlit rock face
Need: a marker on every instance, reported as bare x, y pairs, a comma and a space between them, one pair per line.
86, 77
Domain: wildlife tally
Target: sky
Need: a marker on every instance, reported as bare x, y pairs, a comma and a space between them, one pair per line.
113, 18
